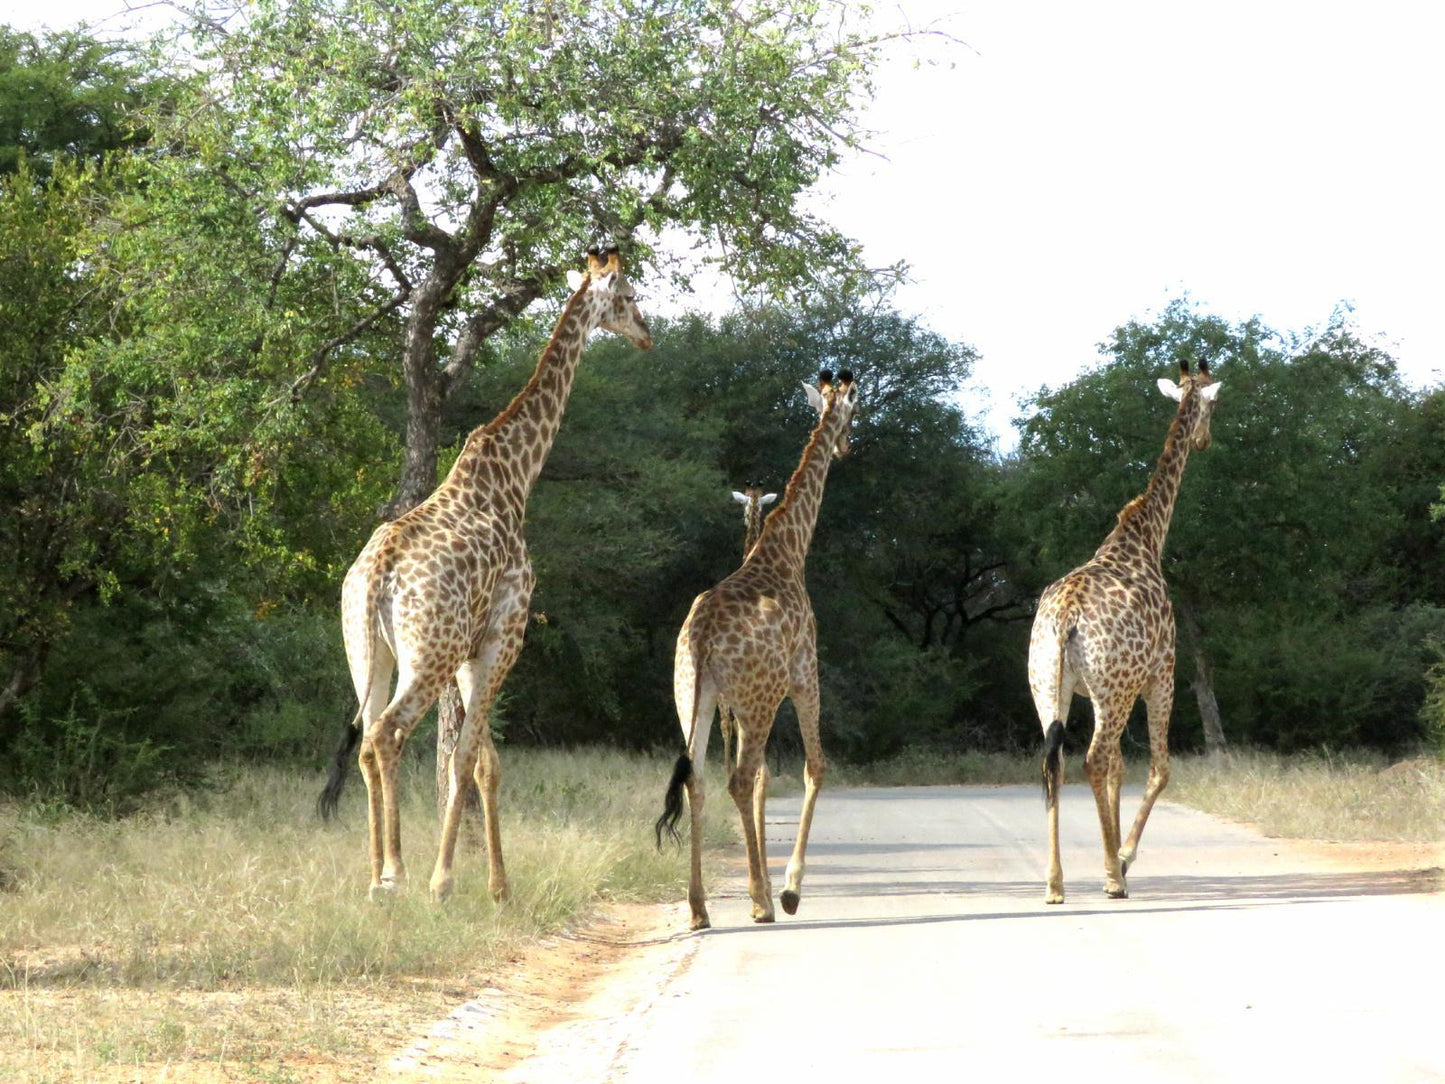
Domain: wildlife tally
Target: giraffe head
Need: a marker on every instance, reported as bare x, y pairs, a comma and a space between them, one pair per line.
835, 400
752, 494
1195, 394
612, 302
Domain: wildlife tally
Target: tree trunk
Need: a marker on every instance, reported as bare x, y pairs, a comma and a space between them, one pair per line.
1203, 684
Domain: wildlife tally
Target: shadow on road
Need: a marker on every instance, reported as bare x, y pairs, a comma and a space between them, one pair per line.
1151, 895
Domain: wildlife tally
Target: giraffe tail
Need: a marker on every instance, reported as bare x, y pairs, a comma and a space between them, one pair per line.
1053, 761
672, 801
340, 761
1064, 631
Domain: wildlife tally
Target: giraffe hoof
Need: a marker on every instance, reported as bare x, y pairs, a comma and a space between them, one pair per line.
789, 900
1054, 897
384, 891
501, 893
1117, 892
702, 923
441, 889
760, 916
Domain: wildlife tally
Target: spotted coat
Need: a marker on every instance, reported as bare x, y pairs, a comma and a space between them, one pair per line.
442, 592
1106, 632
748, 643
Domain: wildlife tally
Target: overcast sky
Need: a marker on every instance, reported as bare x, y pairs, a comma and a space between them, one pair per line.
1078, 164
1081, 164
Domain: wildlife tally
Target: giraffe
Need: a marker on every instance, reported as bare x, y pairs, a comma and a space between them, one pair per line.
443, 591
1106, 631
746, 644
753, 500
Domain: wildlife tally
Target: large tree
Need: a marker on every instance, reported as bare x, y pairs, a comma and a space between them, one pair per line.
465, 152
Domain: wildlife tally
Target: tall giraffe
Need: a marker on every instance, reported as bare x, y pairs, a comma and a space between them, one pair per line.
753, 500
1106, 631
746, 644
443, 591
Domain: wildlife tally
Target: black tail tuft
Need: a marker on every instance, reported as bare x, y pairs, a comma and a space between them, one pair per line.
1053, 760
672, 803
331, 793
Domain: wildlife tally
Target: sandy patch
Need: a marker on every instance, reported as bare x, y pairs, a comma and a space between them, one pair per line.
562, 1010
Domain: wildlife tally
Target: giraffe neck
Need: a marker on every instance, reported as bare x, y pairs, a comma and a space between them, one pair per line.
788, 530
752, 524
520, 437
1144, 521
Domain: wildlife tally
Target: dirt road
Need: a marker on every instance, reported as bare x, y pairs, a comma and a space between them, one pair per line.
923, 951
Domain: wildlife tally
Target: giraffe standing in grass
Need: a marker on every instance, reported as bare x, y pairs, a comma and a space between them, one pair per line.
1106, 631
753, 500
746, 644
442, 592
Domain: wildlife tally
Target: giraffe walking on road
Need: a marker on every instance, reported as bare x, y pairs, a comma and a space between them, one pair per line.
1106, 631
748, 643
442, 592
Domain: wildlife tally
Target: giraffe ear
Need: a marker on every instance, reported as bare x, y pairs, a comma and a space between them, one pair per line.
741, 498
1171, 389
768, 498
1209, 391
815, 397
575, 279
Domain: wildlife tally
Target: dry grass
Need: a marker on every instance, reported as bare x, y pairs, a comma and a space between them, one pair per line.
1319, 796
226, 929
1323, 796
228, 936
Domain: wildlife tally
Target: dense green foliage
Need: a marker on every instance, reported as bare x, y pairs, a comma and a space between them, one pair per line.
66, 96
221, 353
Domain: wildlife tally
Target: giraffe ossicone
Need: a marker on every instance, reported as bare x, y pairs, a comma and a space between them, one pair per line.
1106, 632
442, 593
747, 643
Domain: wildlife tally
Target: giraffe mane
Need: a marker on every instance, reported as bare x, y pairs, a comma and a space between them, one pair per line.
510, 410
794, 479
1131, 511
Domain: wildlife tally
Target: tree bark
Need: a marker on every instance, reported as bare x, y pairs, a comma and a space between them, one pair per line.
1203, 683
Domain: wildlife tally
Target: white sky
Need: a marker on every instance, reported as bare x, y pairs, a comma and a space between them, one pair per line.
1086, 163
1078, 164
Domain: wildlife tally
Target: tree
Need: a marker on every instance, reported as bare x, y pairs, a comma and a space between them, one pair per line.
464, 152
68, 96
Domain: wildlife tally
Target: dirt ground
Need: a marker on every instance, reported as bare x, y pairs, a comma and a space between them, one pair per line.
546, 1020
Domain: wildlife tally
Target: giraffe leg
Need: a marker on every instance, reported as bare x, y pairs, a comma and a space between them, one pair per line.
1109, 721
742, 783
728, 725
1159, 699
696, 898
380, 761
1053, 783
460, 766
479, 679
804, 694
760, 801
